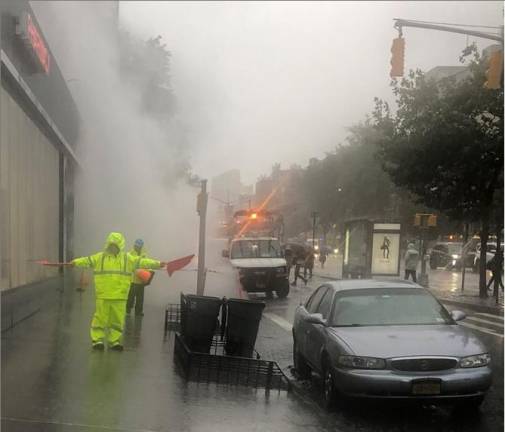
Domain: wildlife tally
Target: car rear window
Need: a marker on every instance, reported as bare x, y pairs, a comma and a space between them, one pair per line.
388, 306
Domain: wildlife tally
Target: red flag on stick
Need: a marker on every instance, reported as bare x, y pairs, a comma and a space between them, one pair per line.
173, 266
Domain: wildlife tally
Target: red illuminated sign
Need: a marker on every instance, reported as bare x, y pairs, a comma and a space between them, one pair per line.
34, 42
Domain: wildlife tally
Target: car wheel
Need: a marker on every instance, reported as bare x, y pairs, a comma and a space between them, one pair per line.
329, 391
301, 367
283, 289
470, 405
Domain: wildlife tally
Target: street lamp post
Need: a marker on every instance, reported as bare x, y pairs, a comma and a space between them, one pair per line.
202, 211
314, 215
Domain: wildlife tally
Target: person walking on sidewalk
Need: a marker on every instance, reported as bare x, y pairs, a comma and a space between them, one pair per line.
411, 262
495, 264
112, 270
299, 261
136, 293
309, 263
322, 257
288, 256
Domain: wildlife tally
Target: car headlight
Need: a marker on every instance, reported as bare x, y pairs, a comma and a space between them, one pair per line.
455, 256
357, 362
478, 360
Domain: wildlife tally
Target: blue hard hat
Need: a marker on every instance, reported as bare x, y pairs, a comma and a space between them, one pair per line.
139, 242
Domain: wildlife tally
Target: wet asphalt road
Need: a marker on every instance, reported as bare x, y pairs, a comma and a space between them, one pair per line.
52, 381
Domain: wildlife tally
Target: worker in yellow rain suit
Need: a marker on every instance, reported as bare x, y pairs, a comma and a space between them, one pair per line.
112, 270
136, 294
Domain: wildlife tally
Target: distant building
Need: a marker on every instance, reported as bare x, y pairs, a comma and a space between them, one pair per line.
458, 72
226, 187
440, 72
279, 189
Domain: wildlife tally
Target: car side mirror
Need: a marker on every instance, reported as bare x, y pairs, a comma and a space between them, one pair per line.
316, 318
458, 315
225, 253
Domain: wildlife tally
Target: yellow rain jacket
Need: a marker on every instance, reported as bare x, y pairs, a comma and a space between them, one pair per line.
113, 274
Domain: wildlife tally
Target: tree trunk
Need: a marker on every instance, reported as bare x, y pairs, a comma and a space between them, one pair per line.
484, 234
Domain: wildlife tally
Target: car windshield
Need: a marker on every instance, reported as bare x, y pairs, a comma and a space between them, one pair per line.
387, 306
256, 249
454, 248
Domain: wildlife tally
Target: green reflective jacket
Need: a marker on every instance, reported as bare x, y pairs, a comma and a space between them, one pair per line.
113, 273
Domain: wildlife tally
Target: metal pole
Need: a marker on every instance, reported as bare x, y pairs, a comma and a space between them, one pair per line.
202, 211
314, 214
399, 23
463, 259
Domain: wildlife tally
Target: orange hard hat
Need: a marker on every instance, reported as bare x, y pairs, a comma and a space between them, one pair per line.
144, 275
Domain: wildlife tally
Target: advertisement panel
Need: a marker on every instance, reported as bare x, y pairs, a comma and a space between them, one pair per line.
385, 253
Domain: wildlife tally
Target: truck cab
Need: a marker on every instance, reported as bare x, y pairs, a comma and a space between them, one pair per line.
260, 264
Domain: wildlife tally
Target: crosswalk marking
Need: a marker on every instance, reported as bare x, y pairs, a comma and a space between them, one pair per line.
489, 315
480, 320
281, 322
481, 329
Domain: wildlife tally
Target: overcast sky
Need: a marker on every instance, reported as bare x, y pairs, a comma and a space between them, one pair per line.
264, 82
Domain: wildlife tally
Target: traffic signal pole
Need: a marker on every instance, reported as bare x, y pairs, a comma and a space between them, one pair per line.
314, 215
494, 73
400, 23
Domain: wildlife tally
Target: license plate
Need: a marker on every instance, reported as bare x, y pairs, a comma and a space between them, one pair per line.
426, 388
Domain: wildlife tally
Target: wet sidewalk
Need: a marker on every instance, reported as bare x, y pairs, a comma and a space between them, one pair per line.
53, 381
444, 284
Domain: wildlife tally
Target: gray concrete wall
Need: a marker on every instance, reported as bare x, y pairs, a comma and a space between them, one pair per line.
29, 180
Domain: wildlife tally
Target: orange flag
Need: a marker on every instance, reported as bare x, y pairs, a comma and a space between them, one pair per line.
173, 266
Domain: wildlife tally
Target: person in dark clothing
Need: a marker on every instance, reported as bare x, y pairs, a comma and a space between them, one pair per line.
495, 264
136, 293
309, 264
322, 257
288, 255
299, 261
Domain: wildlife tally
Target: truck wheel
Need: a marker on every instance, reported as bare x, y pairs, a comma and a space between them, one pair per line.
283, 289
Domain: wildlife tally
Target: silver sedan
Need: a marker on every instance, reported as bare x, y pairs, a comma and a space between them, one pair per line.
388, 339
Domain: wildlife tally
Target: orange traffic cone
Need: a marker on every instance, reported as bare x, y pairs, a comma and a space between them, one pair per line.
144, 275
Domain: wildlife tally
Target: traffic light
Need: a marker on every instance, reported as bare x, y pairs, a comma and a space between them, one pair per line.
425, 220
494, 71
398, 57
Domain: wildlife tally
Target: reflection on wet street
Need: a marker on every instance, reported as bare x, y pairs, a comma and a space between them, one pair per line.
53, 381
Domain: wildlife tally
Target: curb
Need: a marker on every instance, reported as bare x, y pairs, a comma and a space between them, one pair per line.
494, 310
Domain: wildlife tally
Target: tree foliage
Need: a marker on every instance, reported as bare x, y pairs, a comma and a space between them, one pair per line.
350, 182
445, 141
146, 64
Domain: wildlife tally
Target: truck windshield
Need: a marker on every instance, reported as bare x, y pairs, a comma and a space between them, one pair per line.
256, 249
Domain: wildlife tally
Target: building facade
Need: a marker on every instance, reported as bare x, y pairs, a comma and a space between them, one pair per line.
38, 132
